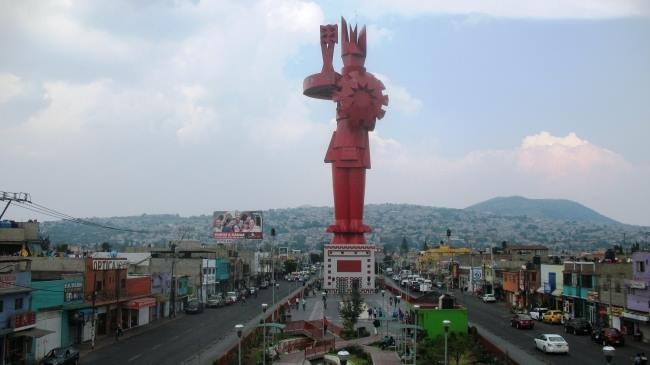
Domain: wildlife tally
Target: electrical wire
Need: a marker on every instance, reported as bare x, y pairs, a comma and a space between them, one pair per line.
29, 287
37, 208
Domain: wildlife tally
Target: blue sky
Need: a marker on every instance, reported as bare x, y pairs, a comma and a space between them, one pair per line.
116, 108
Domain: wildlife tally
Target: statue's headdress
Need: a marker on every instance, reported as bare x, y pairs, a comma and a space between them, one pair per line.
353, 45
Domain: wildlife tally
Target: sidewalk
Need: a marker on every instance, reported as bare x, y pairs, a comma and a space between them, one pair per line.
315, 310
107, 340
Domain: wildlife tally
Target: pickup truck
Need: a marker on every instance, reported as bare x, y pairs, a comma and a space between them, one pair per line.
538, 313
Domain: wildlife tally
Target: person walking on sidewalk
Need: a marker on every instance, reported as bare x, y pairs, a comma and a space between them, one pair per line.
118, 332
304, 304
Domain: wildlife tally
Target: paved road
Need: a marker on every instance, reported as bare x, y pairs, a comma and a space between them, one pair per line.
496, 317
178, 340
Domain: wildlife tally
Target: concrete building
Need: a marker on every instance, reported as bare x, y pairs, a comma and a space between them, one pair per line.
17, 321
638, 299
347, 266
551, 286
58, 302
611, 278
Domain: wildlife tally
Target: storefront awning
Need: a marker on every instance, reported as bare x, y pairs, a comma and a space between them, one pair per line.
638, 316
557, 293
32, 332
140, 303
540, 290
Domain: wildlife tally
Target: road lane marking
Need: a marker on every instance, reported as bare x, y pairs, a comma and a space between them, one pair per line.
134, 357
155, 347
173, 338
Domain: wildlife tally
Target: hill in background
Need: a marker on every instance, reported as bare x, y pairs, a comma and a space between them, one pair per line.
559, 209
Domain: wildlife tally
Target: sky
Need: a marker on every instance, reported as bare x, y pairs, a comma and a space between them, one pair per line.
114, 108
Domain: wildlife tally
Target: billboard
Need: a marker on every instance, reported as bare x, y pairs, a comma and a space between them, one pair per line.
237, 225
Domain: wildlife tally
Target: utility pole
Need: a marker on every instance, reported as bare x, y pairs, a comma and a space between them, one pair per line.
173, 283
13, 197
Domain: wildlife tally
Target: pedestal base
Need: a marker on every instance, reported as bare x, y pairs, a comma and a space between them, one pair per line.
348, 265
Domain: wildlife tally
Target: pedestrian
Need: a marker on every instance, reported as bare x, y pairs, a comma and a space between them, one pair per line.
644, 359
325, 323
304, 304
637, 359
390, 301
118, 332
297, 303
369, 312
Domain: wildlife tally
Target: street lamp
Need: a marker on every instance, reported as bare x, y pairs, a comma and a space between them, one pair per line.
383, 310
446, 324
398, 299
343, 356
324, 307
608, 351
264, 306
415, 335
239, 328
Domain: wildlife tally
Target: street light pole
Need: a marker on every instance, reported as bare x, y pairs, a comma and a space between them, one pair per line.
264, 306
383, 310
415, 336
239, 328
446, 324
324, 307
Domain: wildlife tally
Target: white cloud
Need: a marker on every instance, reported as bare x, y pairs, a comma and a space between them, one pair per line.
536, 9
545, 154
378, 35
10, 87
543, 166
399, 98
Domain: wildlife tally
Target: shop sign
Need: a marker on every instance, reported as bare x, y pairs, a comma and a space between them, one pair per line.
7, 281
23, 321
73, 291
109, 264
592, 296
635, 284
617, 311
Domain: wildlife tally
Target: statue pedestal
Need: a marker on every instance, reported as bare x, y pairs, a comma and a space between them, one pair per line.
346, 265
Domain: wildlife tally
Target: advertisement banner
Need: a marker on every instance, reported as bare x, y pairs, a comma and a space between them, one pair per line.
237, 225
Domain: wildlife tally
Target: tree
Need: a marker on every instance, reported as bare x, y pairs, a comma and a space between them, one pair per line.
106, 247
425, 246
404, 247
350, 310
290, 266
388, 261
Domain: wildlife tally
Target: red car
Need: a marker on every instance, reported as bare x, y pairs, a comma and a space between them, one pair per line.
608, 336
520, 321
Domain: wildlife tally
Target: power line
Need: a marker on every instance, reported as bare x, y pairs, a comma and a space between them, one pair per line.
37, 208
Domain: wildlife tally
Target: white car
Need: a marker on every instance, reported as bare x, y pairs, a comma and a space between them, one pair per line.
551, 343
489, 298
537, 313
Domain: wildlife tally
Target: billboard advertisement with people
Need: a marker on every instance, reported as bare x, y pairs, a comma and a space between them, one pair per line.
237, 225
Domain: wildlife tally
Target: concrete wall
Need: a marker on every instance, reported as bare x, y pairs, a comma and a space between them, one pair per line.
58, 264
616, 273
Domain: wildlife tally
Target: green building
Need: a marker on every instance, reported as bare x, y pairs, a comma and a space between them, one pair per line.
431, 320
58, 301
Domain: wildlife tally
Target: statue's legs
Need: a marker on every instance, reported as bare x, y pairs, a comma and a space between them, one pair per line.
349, 188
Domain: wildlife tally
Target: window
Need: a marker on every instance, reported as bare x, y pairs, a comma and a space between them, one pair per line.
98, 286
2, 306
585, 281
617, 288
567, 279
18, 303
640, 266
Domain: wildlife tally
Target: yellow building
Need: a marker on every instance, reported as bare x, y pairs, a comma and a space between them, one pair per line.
428, 260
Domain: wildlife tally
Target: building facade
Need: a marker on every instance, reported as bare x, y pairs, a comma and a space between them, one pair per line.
638, 298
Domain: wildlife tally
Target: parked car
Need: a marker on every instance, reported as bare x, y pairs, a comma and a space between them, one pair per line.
553, 317
264, 285
194, 306
551, 343
577, 326
252, 290
228, 300
234, 297
489, 298
396, 277
522, 321
215, 301
608, 336
538, 313
61, 356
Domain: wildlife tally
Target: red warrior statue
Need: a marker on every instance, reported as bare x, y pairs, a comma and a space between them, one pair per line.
359, 100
